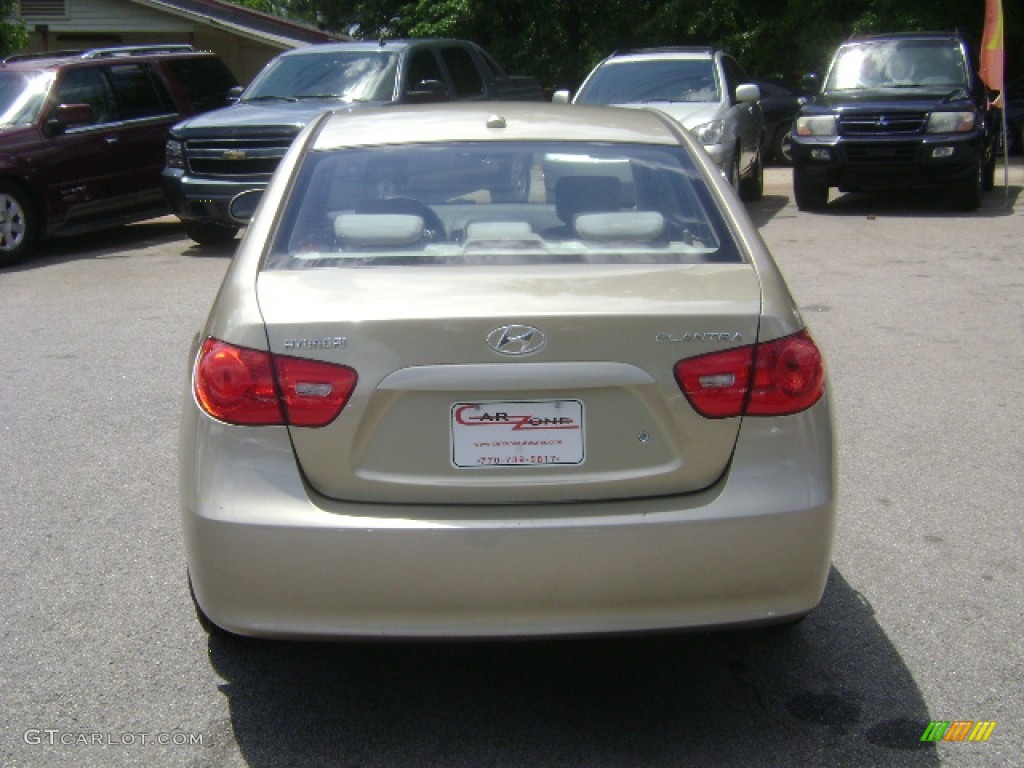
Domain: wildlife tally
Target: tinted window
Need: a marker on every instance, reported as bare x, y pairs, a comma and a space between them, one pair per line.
734, 74
138, 93
465, 75
621, 82
424, 66
500, 204
205, 80
86, 86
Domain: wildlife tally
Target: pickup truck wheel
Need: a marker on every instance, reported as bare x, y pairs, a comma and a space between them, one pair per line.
517, 190
809, 195
17, 225
211, 234
967, 196
752, 187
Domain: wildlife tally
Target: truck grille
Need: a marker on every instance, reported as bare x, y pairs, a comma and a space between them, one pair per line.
882, 123
235, 157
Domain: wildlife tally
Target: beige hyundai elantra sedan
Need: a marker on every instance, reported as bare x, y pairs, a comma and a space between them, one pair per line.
503, 370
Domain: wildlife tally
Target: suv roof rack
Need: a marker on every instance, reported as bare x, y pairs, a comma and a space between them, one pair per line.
669, 49
137, 50
99, 53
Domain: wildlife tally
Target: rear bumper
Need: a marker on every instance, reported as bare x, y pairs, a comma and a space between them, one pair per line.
203, 200
270, 558
938, 161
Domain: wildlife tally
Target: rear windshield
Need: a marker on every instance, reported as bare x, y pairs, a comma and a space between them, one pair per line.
898, 64
508, 203
647, 80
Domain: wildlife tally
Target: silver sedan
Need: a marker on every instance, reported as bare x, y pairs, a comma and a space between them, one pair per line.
589, 407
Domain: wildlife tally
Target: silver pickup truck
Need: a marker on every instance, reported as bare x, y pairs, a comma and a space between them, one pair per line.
215, 156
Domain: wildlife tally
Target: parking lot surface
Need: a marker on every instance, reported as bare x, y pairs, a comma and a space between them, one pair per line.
918, 310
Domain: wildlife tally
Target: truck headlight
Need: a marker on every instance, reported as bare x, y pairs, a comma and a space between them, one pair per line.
816, 125
175, 154
711, 133
951, 122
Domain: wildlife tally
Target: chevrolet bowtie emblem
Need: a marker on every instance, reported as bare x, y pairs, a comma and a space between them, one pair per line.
234, 154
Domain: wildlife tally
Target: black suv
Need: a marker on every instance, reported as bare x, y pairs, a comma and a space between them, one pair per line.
896, 112
82, 135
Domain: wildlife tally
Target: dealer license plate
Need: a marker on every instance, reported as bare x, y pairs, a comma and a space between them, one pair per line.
517, 433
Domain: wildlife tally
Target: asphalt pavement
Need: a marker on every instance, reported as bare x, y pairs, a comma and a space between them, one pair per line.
918, 309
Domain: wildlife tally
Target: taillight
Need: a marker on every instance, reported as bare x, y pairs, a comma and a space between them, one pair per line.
771, 379
313, 392
239, 386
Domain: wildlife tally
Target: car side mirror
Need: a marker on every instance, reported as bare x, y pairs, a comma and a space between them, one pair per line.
234, 93
71, 115
747, 93
810, 82
428, 92
243, 205
561, 97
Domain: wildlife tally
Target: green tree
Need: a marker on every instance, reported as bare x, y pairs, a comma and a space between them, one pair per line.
560, 40
13, 35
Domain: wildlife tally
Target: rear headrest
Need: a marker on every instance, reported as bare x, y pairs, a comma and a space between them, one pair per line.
378, 230
620, 226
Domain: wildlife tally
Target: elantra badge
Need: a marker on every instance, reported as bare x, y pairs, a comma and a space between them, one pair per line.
516, 340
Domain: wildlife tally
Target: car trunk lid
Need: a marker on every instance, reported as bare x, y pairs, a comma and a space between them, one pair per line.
507, 385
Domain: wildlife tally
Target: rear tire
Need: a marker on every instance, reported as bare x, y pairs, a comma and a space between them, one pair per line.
809, 195
211, 234
17, 225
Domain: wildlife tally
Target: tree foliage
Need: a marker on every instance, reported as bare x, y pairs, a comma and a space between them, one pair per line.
560, 40
13, 35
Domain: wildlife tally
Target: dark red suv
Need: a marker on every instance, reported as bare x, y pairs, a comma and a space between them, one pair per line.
82, 135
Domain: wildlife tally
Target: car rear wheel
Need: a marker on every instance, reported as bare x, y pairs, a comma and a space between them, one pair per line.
17, 225
752, 187
211, 234
810, 195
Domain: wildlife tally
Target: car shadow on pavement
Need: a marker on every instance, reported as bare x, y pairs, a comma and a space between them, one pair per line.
764, 210
117, 242
921, 204
830, 691
112, 243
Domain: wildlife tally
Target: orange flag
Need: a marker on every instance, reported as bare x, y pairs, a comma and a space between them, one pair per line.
991, 70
